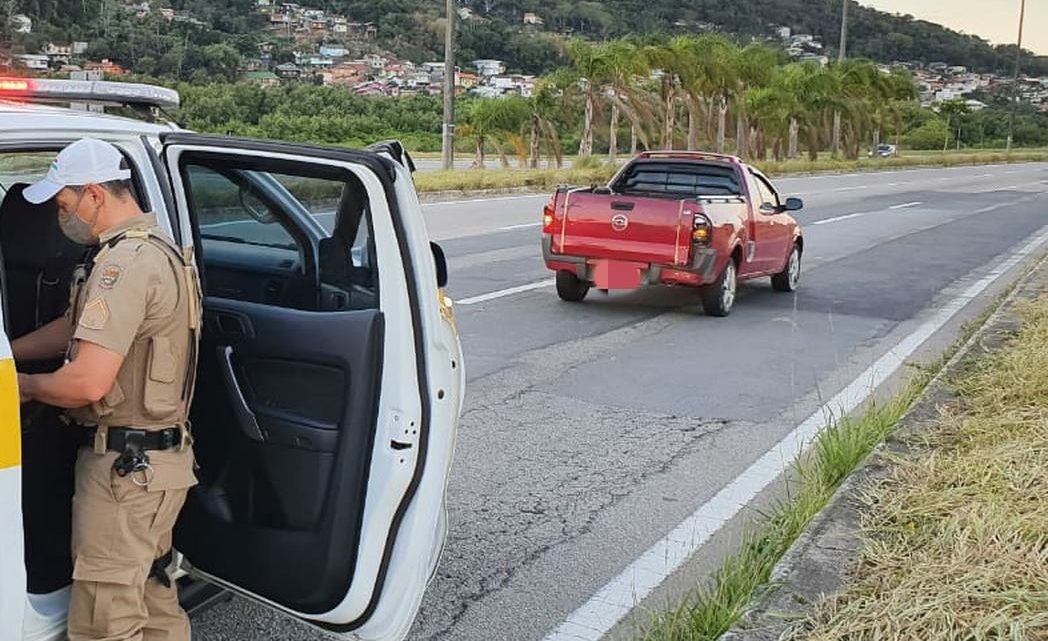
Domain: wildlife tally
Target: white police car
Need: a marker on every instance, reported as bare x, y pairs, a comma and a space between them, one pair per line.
330, 380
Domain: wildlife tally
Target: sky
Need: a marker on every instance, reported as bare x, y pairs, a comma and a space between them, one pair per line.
994, 20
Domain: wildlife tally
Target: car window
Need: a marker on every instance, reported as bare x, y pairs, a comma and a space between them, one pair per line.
227, 209
256, 246
680, 179
27, 167
767, 192
23, 167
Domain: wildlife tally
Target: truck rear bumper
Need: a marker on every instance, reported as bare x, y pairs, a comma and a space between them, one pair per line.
701, 271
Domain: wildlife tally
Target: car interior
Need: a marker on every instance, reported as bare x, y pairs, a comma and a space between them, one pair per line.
288, 378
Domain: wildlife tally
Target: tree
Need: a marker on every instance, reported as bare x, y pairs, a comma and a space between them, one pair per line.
592, 67
952, 110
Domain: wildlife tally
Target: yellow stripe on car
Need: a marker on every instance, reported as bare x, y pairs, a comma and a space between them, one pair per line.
10, 430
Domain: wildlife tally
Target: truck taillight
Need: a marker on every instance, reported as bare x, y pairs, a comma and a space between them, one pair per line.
701, 230
547, 219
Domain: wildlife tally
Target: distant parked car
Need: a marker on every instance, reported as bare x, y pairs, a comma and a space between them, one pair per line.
884, 151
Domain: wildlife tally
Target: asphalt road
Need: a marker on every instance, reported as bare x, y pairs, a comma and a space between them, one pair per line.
592, 430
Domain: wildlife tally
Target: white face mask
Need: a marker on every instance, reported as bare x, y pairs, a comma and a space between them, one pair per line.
76, 228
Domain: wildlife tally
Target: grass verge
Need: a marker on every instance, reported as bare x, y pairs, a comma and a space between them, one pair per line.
957, 534
711, 611
546, 179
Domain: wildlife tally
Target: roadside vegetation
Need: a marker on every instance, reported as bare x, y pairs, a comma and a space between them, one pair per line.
587, 173
957, 535
920, 510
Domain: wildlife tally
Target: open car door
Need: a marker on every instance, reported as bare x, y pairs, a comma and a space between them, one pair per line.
329, 384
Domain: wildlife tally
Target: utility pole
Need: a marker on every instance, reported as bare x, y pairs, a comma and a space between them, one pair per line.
1015, 79
842, 54
835, 144
448, 134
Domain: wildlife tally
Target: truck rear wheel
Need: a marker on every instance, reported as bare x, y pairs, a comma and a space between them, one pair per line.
719, 296
570, 288
789, 277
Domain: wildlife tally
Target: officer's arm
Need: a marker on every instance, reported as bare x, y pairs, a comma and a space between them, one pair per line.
83, 381
49, 341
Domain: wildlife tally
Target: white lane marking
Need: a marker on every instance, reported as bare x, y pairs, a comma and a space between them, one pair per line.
826, 221
614, 601
442, 203
502, 293
523, 226
906, 205
851, 188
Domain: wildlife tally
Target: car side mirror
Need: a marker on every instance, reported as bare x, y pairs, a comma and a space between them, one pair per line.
793, 204
441, 263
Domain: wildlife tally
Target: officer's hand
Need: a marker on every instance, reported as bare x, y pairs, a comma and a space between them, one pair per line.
23, 388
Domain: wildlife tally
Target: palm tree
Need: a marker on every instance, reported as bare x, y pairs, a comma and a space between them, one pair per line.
491, 117
592, 67
545, 101
755, 68
817, 92
625, 65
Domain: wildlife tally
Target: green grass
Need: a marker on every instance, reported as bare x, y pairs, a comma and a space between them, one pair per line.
957, 534
546, 179
712, 609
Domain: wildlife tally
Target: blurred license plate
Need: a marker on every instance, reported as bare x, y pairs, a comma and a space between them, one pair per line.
613, 274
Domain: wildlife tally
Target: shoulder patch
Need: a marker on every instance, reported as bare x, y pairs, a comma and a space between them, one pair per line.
109, 276
95, 315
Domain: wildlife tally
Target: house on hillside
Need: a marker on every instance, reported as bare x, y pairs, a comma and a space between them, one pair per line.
288, 71
533, 19
21, 23
488, 67
261, 78
58, 54
33, 61
107, 67
333, 51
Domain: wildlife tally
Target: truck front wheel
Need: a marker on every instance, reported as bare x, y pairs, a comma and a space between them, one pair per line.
789, 277
570, 288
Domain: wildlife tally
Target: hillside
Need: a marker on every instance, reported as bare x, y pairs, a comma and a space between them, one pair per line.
413, 29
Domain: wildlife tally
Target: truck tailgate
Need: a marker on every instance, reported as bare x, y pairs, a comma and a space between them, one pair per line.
630, 228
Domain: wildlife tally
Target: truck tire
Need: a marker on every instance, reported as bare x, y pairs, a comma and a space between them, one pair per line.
570, 288
789, 277
718, 297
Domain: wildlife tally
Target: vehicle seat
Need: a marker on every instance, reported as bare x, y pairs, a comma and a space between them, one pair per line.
38, 264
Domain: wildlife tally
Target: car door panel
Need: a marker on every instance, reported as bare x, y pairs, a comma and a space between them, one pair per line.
302, 499
312, 394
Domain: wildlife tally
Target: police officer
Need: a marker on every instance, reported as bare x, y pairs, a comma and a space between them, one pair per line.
131, 338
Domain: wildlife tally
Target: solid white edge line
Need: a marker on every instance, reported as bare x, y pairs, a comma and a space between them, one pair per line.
502, 293
614, 601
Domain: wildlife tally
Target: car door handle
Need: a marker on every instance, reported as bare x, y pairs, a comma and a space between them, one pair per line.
232, 325
245, 417
621, 205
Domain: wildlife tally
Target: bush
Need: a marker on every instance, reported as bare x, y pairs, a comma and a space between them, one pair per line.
931, 135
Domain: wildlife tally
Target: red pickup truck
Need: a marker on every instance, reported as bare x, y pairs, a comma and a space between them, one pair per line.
674, 218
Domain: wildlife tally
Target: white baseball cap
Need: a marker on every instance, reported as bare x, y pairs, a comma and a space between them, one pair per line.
86, 161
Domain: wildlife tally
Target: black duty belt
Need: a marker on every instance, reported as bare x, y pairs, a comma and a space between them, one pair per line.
122, 439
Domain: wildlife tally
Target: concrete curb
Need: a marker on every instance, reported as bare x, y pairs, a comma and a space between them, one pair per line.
820, 560
479, 194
